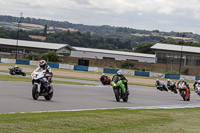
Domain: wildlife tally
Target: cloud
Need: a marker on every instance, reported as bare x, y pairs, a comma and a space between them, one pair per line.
149, 14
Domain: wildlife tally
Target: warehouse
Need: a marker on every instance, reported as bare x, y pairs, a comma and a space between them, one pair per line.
111, 54
177, 54
9, 46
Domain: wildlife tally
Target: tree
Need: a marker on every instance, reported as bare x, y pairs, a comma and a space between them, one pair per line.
50, 56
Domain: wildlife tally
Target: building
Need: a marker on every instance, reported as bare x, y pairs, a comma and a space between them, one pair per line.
111, 54
9, 46
177, 54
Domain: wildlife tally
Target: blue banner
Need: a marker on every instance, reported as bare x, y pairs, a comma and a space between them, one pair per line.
81, 68
53, 65
110, 70
23, 62
142, 73
172, 76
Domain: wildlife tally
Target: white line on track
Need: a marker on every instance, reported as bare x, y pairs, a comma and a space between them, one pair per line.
131, 108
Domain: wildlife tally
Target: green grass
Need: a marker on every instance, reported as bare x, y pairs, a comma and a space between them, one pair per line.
104, 121
28, 79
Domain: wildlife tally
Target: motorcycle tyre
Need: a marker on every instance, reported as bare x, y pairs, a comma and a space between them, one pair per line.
183, 95
50, 95
35, 93
188, 99
117, 95
24, 74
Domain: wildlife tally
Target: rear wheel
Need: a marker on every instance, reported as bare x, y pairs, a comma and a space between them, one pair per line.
125, 98
35, 92
117, 95
188, 99
50, 94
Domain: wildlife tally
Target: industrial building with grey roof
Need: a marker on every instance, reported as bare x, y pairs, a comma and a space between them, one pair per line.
177, 54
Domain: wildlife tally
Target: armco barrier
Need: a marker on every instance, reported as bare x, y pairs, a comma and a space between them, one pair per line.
197, 78
109, 70
0, 60
11, 61
141, 73
23, 62
192, 78
157, 75
172, 76
66, 66
127, 72
95, 69
53, 65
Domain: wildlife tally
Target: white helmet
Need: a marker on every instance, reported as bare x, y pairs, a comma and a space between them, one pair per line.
181, 79
198, 81
119, 72
15, 65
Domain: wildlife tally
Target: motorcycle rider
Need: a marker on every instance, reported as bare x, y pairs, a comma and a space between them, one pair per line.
171, 85
195, 82
104, 78
120, 76
16, 68
48, 73
187, 85
196, 85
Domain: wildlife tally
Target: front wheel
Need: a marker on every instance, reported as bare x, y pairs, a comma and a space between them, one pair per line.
117, 95
24, 74
35, 92
50, 94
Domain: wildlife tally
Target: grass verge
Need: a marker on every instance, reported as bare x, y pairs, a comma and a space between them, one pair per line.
106, 121
27, 79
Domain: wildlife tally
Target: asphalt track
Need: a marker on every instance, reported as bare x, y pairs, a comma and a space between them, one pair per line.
17, 97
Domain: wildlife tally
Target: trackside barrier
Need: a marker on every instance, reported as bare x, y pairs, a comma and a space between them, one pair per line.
23, 62
66, 66
197, 78
53, 65
110, 70
128, 72
141, 73
10, 61
157, 75
34, 63
192, 78
95, 69
172, 76
81, 68
0, 60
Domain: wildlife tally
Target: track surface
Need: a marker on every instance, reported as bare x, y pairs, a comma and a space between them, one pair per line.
17, 97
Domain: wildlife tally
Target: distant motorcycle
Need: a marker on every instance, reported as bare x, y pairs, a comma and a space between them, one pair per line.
161, 86
184, 91
119, 89
40, 85
172, 86
105, 80
197, 89
17, 71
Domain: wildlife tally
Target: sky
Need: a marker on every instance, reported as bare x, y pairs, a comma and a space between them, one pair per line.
163, 15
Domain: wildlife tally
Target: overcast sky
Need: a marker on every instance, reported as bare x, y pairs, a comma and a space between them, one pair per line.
164, 15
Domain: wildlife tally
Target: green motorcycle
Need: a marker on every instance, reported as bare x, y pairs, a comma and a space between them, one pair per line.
120, 90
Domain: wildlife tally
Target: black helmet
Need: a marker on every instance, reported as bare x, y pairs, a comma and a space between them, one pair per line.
42, 64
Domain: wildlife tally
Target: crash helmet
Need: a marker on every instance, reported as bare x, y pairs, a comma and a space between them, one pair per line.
103, 74
42, 64
119, 72
168, 80
198, 81
181, 79
157, 80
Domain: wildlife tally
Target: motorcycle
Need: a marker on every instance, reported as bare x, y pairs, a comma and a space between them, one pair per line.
197, 89
120, 90
161, 86
172, 86
184, 91
16, 71
40, 85
105, 80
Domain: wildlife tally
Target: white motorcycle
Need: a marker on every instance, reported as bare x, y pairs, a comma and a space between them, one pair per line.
197, 89
40, 85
